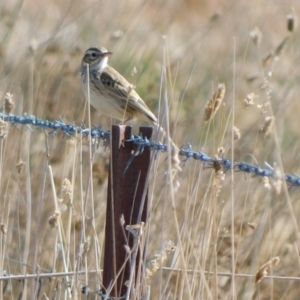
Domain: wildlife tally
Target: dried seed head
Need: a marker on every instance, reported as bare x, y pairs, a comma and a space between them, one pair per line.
3, 129
9, 103
67, 188
218, 178
249, 100
87, 244
256, 36
134, 71
263, 270
156, 262
236, 133
219, 174
266, 182
264, 84
277, 178
252, 225
214, 103
53, 220
175, 161
267, 126
84, 248
274, 56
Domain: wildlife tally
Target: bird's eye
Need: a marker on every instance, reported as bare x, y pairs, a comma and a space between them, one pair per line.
93, 54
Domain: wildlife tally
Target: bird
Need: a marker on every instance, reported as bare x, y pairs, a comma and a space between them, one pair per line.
111, 93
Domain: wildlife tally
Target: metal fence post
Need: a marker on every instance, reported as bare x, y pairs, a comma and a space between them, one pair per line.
126, 205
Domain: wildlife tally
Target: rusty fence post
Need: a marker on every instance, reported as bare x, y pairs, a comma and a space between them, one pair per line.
127, 197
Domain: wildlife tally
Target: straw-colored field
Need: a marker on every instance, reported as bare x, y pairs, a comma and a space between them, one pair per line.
230, 224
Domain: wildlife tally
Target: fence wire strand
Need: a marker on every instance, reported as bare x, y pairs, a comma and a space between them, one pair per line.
140, 143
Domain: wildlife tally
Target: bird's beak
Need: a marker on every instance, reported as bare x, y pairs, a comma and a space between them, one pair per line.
108, 53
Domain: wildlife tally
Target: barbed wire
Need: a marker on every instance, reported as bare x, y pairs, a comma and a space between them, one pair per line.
141, 143
86, 290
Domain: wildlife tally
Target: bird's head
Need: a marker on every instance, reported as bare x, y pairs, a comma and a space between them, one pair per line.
96, 56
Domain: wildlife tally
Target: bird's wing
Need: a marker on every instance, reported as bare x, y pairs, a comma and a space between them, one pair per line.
118, 88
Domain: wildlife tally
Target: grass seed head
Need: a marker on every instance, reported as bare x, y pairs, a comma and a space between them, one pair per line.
3, 129
256, 36
263, 270
236, 133
249, 100
214, 103
252, 225
156, 262
267, 126
67, 188
9, 103
53, 220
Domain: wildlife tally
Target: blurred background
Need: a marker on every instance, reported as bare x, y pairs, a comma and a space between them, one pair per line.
250, 46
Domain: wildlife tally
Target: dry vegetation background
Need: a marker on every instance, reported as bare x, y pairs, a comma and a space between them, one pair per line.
206, 42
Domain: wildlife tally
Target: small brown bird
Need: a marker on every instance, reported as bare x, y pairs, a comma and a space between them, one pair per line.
111, 93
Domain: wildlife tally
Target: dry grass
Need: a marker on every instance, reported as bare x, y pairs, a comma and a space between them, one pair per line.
53, 213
